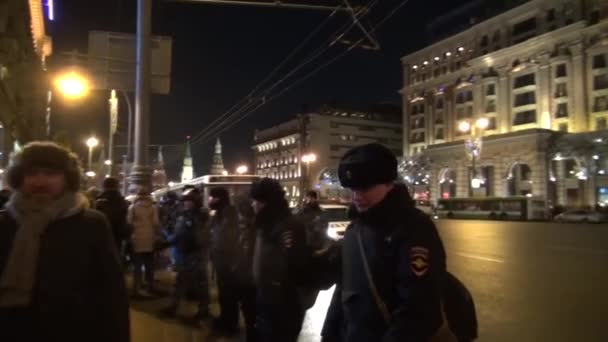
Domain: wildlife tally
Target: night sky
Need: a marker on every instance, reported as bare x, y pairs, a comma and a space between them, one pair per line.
221, 52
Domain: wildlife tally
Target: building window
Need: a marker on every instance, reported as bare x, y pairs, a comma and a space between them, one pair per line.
599, 61
490, 89
496, 37
334, 148
439, 120
560, 71
561, 110
600, 82
525, 99
524, 30
601, 104
551, 15
563, 127
439, 104
464, 96
526, 117
484, 41
561, 90
439, 134
333, 124
417, 123
491, 123
464, 112
491, 106
418, 109
523, 81
600, 124
417, 138
367, 128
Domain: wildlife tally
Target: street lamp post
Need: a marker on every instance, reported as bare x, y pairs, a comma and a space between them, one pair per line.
473, 145
92, 142
141, 172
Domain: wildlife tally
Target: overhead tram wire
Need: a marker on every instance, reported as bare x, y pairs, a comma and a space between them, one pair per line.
253, 99
304, 78
211, 129
247, 99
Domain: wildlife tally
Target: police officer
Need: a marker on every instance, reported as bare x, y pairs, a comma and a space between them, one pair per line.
224, 245
280, 257
392, 261
191, 241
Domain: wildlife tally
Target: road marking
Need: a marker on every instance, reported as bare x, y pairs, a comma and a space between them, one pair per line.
479, 257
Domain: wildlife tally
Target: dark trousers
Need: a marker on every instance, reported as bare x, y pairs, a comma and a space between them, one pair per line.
246, 294
228, 299
279, 315
147, 261
192, 279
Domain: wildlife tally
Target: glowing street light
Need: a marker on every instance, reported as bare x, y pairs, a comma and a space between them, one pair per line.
90, 174
224, 173
464, 126
482, 123
92, 142
72, 85
108, 162
242, 169
309, 158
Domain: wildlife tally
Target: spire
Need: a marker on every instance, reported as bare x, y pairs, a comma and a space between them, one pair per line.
217, 167
187, 169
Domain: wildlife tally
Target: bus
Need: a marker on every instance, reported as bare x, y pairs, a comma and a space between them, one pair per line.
237, 185
520, 208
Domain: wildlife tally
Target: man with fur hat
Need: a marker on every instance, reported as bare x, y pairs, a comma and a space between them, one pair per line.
60, 274
392, 259
279, 262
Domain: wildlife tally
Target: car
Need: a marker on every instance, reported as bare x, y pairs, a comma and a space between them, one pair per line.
580, 215
337, 219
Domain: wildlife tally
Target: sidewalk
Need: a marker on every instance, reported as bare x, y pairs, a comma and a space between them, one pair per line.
147, 327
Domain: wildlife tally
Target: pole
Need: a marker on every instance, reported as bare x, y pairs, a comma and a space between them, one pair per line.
141, 173
90, 161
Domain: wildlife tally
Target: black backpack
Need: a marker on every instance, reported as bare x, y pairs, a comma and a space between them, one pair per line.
460, 309
116, 213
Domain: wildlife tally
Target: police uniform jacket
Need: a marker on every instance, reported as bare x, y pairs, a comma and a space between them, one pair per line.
407, 262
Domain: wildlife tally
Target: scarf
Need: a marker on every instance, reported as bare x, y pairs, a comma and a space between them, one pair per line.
19, 276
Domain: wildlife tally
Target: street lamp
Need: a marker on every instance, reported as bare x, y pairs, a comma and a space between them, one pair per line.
473, 145
242, 169
224, 173
72, 85
92, 142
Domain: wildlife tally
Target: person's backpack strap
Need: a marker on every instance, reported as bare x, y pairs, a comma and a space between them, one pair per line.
372, 285
443, 334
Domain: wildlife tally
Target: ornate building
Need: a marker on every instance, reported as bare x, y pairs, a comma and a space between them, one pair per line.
217, 166
538, 76
187, 168
326, 133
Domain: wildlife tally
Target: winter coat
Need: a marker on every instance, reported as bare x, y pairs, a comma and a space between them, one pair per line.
143, 216
224, 227
115, 207
190, 238
79, 293
408, 265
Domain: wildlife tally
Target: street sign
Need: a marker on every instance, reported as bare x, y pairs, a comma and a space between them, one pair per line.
112, 58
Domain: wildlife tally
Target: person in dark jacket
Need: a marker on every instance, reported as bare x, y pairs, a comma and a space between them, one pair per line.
280, 258
312, 217
404, 253
242, 269
191, 242
60, 275
115, 208
224, 244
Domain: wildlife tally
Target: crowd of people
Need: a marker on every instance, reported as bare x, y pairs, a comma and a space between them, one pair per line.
63, 256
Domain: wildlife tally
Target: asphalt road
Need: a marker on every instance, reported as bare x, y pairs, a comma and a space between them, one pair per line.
530, 281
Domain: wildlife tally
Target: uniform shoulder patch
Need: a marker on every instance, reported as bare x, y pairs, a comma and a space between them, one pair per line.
419, 260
